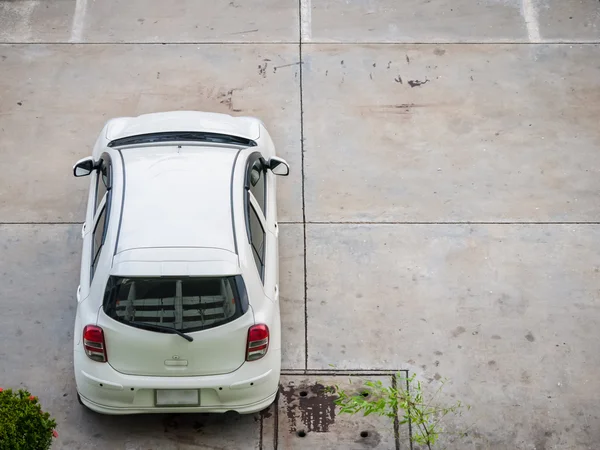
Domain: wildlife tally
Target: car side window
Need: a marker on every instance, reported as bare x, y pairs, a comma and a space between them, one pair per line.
257, 239
101, 183
258, 184
98, 239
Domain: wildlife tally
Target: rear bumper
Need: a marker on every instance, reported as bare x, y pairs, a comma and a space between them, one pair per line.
242, 409
249, 389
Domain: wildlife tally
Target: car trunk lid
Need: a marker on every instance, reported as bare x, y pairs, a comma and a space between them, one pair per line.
139, 315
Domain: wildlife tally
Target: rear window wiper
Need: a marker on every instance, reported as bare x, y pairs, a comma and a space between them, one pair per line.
171, 136
149, 326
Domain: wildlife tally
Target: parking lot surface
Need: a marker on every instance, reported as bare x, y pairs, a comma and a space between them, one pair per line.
441, 217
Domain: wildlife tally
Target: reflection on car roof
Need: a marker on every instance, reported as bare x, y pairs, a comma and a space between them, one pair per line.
177, 196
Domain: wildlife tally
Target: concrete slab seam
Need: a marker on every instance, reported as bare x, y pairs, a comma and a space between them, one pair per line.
291, 222
439, 223
396, 418
42, 223
301, 71
276, 423
345, 43
452, 43
343, 372
113, 43
410, 435
260, 435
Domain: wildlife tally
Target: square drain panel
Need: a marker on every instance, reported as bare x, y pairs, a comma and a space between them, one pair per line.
305, 416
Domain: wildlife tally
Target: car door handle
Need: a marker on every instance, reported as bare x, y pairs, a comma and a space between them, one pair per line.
83, 230
276, 291
276, 229
78, 293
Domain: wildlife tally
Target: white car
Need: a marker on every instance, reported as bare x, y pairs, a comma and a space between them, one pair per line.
178, 304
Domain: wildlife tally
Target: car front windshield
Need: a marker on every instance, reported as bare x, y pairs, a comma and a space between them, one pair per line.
185, 304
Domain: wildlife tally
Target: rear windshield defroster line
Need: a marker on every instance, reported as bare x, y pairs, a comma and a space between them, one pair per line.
178, 136
185, 304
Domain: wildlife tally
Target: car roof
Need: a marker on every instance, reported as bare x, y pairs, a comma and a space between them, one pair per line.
177, 196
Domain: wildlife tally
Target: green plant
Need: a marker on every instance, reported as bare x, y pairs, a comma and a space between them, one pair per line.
23, 424
405, 400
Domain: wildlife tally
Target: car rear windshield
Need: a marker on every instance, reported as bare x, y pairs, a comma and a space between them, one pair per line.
174, 136
186, 304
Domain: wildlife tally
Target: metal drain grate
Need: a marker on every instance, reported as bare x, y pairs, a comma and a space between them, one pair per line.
305, 416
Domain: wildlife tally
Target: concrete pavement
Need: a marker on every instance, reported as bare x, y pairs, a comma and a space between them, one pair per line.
441, 217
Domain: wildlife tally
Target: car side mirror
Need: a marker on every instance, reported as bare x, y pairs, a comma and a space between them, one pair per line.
84, 167
279, 167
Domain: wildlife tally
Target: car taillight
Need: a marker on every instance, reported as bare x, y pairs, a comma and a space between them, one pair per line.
93, 343
258, 342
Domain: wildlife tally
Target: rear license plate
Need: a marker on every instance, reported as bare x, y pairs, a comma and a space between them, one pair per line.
177, 397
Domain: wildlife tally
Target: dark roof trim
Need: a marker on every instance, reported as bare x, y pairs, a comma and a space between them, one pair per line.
235, 246
122, 203
179, 136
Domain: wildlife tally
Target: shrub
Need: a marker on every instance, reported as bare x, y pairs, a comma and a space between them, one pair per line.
404, 399
23, 424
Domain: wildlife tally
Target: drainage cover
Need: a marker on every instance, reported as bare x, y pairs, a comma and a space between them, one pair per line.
305, 417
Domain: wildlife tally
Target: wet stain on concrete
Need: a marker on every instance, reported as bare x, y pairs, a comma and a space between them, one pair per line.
309, 408
512, 305
541, 439
401, 108
530, 337
266, 413
262, 69
417, 83
227, 98
439, 52
458, 331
